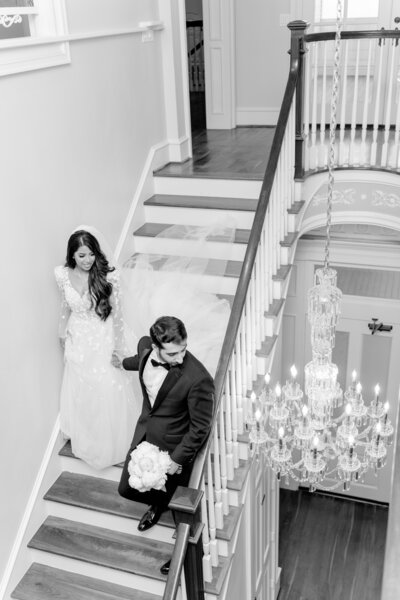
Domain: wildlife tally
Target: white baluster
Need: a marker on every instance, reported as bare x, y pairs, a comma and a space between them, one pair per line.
313, 148
243, 355
228, 430
377, 108
363, 149
322, 153
235, 446
388, 108
307, 92
211, 514
352, 151
207, 566
395, 162
257, 299
219, 519
239, 384
342, 158
223, 462
249, 349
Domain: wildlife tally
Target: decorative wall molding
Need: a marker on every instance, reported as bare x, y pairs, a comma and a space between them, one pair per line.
257, 115
381, 198
345, 197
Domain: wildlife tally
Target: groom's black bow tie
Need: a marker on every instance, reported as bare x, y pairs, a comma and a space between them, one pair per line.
155, 363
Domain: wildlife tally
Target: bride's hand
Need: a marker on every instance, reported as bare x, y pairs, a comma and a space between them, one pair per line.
116, 361
62, 342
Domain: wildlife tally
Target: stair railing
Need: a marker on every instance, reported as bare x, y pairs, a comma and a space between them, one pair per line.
195, 50
368, 115
238, 366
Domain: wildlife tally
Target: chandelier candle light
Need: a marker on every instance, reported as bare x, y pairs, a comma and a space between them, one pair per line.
321, 437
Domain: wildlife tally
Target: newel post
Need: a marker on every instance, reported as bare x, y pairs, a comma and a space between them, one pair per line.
297, 50
186, 508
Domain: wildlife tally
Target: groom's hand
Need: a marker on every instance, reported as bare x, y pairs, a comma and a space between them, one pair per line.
174, 468
116, 361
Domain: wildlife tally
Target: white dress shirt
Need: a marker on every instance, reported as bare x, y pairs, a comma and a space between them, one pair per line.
153, 377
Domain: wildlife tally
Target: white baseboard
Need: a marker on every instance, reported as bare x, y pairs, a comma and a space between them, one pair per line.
158, 156
9, 577
257, 116
179, 150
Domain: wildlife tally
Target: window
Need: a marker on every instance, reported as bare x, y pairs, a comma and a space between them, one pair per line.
31, 35
325, 10
14, 18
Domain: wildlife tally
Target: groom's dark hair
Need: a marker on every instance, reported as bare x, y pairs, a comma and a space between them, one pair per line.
168, 329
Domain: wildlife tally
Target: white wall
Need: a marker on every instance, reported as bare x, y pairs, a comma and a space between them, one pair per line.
73, 143
262, 62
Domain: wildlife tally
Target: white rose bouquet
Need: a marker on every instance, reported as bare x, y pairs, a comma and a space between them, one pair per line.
148, 467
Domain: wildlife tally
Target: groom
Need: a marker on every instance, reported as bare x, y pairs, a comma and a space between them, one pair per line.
178, 399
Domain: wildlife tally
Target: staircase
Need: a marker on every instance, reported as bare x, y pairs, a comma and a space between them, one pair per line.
88, 546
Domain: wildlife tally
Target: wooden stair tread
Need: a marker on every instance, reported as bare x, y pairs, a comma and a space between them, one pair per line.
296, 207
206, 202
105, 547
213, 266
219, 574
95, 493
177, 169
282, 273
230, 522
267, 346
42, 582
289, 240
274, 308
154, 229
239, 478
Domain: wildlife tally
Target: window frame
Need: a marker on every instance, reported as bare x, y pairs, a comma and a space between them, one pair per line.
45, 47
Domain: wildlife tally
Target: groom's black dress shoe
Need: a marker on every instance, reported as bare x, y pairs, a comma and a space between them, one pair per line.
150, 518
165, 568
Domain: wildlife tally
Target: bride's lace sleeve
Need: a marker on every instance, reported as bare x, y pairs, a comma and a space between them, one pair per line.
123, 339
65, 310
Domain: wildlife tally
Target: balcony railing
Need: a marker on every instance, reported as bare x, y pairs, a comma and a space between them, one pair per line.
368, 112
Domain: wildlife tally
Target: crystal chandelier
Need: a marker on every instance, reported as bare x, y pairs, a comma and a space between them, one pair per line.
321, 435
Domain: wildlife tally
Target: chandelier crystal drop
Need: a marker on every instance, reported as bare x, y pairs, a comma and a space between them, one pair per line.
315, 442
321, 437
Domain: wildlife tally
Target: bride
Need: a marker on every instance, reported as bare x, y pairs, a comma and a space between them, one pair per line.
97, 407
102, 305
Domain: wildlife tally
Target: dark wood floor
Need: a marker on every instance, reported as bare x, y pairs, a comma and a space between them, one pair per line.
239, 153
330, 548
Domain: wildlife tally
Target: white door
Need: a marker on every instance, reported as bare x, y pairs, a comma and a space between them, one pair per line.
219, 60
375, 358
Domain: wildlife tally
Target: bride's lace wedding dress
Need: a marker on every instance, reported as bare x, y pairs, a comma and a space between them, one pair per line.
97, 407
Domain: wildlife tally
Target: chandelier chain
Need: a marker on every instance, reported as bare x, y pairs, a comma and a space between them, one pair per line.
332, 129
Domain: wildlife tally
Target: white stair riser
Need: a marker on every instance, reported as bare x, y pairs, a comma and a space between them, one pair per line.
221, 188
270, 325
198, 216
115, 576
286, 253
175, 247
108, 521
277, 289
78, 466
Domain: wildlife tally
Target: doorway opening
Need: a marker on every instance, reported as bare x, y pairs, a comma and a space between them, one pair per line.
195, 50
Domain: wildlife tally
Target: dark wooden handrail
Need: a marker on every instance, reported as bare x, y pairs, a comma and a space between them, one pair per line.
178, 556
353, 35
247, 267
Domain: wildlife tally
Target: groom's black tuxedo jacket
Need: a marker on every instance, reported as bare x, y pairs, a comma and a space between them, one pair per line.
180, 419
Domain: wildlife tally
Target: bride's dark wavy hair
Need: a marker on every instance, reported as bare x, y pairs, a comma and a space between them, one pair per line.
100, 288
